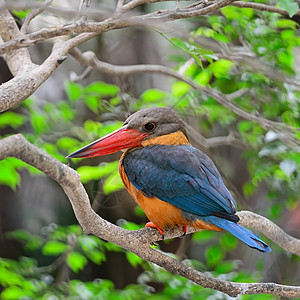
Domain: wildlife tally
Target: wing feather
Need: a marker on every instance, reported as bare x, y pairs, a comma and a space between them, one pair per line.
181, 175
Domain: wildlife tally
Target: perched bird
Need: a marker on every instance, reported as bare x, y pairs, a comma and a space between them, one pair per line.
174, 183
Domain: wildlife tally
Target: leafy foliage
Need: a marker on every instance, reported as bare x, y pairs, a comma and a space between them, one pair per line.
25, 278
61, 128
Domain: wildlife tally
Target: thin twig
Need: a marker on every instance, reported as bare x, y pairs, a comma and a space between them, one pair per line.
89, 58
31, 15
76, 78
13, 93
66, 12
263, 7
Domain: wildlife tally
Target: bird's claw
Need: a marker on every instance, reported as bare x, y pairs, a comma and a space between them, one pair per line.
152, 225
184, 231
154, 244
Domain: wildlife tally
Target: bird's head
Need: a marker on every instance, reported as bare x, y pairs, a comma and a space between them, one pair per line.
145, 124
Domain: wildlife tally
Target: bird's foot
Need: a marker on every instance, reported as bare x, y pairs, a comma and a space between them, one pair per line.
184, 231
152, 225
154, 244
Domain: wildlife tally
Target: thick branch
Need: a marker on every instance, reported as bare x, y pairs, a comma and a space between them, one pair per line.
274, 233
138, 241
24, 85
17, 60
261, 6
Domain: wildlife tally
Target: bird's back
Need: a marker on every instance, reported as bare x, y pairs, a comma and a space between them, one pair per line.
175, 183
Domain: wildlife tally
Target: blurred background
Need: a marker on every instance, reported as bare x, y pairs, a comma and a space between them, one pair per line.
249, 55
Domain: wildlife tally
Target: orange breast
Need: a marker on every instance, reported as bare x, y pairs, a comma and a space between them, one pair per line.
161, 213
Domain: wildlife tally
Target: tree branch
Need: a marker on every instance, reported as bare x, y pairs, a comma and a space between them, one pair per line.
66, 12
263, 7
31, 15
286, 133
152, 19
139, 241
212, 142
32, 76
63, 30
273, 232
25, 84
17, 60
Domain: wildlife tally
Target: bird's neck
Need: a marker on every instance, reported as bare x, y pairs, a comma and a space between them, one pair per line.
176, 138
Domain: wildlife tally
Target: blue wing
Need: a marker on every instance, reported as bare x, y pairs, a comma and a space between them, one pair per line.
187, 178
183, 176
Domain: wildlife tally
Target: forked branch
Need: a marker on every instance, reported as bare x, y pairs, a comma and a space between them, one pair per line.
286, 133
139, 241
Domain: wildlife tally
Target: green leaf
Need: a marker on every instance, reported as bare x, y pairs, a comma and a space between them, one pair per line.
8, 174
39, 122
54, 248
113, 247
225, 267
21, 13
245, 126
14, 292
221, 37
228, 241
133, 259
286, 23
290, 6
115, 101
130, 225
52, 150
76, 261
286, 58
92, 103
213, 255
11, 119
66, 111
33, 242
236, 13
203, 78
248, 189
66, 143
113, 183
275, 211
180, 88
138, 211
183, 45
89, 173
102, 89
96, 257
92, 126
297, 135
203, 236
73, 91
221, 67
87, 243
8, 278
153, 95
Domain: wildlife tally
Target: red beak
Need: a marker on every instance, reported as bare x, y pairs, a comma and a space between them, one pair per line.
119, 139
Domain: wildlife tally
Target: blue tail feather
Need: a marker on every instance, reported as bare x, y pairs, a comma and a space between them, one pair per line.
242, 233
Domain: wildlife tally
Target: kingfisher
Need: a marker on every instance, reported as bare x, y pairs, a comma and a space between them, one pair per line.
174, 183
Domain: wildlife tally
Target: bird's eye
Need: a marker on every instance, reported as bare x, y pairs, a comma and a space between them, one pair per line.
150, 126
